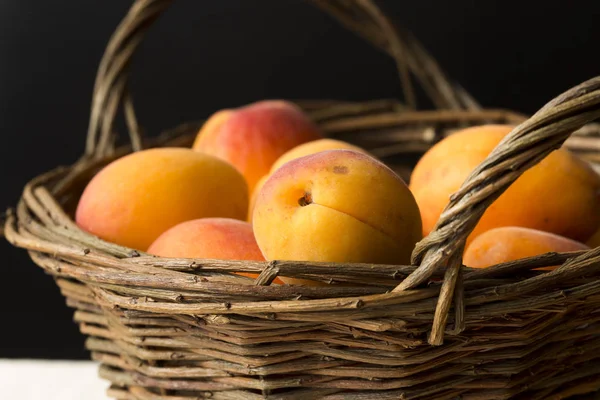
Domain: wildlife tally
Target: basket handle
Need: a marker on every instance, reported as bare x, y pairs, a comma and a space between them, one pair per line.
525, 146
361, 16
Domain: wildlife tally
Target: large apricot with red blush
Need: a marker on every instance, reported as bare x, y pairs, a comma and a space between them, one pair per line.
252, 137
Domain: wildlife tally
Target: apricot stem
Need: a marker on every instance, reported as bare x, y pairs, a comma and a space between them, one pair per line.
305, 200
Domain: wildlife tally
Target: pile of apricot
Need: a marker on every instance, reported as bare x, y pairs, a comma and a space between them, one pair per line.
261, 183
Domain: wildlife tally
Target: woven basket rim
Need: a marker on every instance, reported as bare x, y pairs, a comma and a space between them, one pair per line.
90, 249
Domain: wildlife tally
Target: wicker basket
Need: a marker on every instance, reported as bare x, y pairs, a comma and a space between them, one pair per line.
181, 329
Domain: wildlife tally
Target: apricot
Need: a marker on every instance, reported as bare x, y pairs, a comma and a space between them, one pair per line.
313, 147
336, 206
253, 137
302, 150
213, 238
210, 238
254, 195
210, 127
512, 243
137, 197
558, 195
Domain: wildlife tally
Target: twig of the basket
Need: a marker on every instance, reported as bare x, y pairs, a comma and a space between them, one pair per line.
525, 146
135, 134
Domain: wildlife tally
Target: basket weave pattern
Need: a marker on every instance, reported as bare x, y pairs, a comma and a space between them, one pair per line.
181, 329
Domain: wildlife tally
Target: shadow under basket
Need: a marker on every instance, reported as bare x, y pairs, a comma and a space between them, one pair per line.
181, 329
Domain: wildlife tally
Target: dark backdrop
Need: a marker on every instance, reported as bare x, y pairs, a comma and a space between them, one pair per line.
209, 54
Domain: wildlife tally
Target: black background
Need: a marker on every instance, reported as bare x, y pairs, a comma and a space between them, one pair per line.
209, 54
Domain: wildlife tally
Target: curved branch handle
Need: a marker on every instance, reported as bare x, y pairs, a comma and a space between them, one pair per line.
361, 16
111, 78
370, 22
524, 147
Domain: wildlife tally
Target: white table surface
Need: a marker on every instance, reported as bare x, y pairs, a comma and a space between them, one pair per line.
51, 380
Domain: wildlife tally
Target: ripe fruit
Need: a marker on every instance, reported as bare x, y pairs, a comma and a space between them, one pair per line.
511, 243
211, 126
210, 238
302, 150
214, 238
251, 138
336, 206
559, 195
254, 196
137, 197
313, 147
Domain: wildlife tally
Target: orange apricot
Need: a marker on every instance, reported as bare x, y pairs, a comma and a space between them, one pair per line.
254, 196
134, 199
336, 206
512, 243
315, 146
558, 195
305, 149
209, 238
